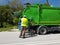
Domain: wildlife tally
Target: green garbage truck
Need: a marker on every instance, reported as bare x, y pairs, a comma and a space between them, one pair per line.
43, 18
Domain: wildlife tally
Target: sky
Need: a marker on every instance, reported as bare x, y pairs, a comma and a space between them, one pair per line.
55, 3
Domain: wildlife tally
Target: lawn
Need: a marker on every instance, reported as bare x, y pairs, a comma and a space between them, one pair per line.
8, 28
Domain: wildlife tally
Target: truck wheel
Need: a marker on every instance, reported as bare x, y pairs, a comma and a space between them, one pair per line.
42, 30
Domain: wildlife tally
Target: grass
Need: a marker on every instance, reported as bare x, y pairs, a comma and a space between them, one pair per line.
8, 28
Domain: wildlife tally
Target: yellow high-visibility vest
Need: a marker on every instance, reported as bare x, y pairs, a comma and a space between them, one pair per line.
24, 22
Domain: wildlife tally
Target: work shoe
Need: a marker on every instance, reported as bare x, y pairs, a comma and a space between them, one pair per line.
23, 37
20, 36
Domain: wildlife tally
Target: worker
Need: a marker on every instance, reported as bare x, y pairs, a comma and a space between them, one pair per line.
24, 24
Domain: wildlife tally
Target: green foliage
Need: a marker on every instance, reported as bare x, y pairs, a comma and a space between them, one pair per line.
7, 17
6, 28
15, 20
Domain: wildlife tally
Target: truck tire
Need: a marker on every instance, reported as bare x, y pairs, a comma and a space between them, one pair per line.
42, 30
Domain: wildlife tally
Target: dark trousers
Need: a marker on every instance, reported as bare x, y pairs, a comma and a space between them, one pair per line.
23, 29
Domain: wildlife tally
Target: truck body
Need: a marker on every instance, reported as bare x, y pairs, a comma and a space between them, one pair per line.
45, 18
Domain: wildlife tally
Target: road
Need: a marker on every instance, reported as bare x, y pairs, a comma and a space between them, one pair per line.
12, 38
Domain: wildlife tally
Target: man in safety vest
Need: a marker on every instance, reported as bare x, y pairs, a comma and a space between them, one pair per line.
24, 24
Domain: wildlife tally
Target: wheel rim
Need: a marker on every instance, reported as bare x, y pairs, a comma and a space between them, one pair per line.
43, 31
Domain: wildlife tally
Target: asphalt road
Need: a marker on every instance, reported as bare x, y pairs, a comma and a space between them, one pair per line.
12, 38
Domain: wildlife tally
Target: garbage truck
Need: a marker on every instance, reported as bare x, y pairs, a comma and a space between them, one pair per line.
43, 18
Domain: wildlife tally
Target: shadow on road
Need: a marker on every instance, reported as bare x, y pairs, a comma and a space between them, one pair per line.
54, 32
30, 35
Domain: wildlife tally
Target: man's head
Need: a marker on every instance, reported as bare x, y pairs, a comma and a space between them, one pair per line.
24, 16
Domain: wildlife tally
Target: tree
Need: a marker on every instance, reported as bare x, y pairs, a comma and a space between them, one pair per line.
5, 15
15, 4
